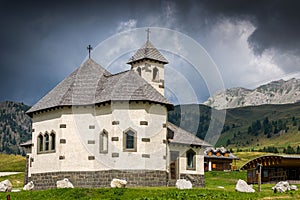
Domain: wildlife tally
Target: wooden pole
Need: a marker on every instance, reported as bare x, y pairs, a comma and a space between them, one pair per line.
259, 178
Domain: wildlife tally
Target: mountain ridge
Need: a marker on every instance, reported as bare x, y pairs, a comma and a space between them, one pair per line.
275, 92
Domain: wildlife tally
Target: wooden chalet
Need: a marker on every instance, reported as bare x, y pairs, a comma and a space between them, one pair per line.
274, 168
219, 159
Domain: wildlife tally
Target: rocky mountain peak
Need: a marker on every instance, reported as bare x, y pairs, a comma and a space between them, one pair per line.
275, 92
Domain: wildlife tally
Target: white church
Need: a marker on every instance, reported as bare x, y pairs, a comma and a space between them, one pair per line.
95, 126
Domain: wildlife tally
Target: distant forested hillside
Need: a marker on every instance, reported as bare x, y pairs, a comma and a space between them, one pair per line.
262, 126
246, 127
194, 118
15, 127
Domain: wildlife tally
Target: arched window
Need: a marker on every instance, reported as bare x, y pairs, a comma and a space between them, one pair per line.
139, 70
52, 138
46, 141
155, 74
104, 141
130, 140
40, 143
191, 159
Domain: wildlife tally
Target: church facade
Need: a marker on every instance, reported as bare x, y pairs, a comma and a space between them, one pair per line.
95, 126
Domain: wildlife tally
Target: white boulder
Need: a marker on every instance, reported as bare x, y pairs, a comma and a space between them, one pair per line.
294, 187
29, 186
65, 183
281, 186
183, 184
242, 186
118, 183
5, 186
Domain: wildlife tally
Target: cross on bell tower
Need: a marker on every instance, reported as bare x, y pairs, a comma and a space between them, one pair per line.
89, 48
148, 33
149, 63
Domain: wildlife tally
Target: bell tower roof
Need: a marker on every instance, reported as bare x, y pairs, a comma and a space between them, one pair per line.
148, 51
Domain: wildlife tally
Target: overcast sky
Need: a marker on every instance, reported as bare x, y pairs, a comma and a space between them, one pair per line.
251, 42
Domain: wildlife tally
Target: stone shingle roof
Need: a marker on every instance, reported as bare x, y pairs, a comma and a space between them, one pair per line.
91, 84
148, 51
181, 136
128, 86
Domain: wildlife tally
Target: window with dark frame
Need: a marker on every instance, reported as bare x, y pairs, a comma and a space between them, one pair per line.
155, 74
103, 141
139, 70
40, 143
130, 140
191, 161
46, 141
52, 136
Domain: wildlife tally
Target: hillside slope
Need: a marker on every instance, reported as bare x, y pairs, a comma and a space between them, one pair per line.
193, 118
15, 127
261, 126
245, 127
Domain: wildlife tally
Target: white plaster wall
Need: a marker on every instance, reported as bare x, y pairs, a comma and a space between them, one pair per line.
46, 121
75, 151
129, 116
182, 160
77, 134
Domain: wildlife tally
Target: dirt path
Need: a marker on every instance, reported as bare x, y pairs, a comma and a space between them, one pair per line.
8, 173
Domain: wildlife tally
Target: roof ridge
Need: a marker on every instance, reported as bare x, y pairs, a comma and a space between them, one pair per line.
105, 72
193, 137
116, 74
148, 51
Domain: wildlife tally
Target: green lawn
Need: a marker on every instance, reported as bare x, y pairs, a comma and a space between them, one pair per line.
211, 191
12, 163
148, 194
213, 180
227, 180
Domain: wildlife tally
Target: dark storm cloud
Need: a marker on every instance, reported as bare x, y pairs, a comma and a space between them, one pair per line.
276, 21
41, 42
40, 39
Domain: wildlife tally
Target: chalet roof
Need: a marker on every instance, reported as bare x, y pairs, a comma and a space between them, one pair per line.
181, 136
273, 160
91, 84
222, 152
215, 150
148, 51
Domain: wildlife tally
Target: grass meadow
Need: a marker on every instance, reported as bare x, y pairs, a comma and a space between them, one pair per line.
219, 185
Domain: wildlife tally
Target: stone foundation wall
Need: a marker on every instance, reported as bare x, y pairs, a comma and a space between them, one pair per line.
100, 179
196, 179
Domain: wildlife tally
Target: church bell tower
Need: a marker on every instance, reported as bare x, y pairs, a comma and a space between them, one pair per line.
149, 63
